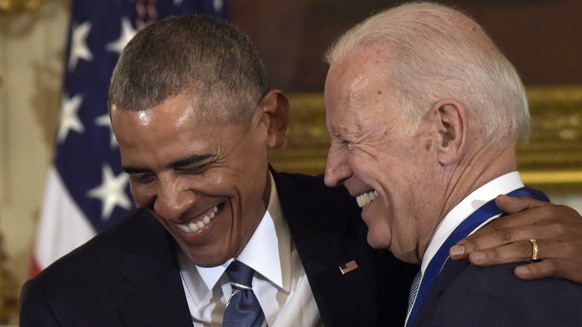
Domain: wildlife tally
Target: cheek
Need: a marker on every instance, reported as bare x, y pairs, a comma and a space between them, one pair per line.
370, 161
398, 206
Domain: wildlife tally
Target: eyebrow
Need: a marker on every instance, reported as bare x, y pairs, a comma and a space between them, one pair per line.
193, 159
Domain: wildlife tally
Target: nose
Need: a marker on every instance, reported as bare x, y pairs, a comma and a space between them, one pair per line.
173, 200
337, 169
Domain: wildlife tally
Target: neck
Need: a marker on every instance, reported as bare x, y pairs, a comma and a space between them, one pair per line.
476, 170
472, 172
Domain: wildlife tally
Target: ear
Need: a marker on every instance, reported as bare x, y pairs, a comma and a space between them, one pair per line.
451, 123
274, 111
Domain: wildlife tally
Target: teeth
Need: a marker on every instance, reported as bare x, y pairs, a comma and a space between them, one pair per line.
365, 199
194, 227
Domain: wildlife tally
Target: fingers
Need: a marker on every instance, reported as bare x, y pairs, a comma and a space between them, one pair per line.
559, 258
553, 222
549, 268
524, 211
513, 204
536, 270
496, 238
556, 228
513, 252
505, 245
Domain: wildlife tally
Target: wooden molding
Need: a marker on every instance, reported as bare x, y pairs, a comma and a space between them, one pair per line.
552, 160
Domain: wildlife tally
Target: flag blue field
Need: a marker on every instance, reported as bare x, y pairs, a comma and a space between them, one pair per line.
86, 190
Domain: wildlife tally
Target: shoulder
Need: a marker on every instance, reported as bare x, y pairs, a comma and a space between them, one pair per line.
99, 258
95, 278
500, 279
494, 296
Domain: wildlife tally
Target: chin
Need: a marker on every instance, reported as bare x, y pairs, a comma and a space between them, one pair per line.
408, 257
207, 260
378, 241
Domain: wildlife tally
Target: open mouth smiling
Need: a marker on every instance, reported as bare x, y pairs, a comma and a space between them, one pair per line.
366, 198
198, 223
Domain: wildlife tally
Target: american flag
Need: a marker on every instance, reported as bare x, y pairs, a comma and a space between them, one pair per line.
86, 190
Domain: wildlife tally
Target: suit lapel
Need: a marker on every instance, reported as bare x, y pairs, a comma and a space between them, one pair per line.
340, 295
451, 270
321, 222
150, 266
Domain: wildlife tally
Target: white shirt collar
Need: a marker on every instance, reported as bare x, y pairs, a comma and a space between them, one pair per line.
267, 252
500, 185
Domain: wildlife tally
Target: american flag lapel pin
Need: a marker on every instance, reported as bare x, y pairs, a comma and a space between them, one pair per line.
348, 266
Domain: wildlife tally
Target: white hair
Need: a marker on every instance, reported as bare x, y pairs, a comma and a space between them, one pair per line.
443, 54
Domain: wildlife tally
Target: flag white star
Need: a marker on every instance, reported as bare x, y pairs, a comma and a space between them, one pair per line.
218, 4
69, 117
79, 49
127, 33
111, 192
104, 121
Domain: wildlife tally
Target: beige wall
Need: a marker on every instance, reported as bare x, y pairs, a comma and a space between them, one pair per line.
31, 57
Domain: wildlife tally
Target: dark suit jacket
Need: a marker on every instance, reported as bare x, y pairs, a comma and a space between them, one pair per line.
466, 295
128, 275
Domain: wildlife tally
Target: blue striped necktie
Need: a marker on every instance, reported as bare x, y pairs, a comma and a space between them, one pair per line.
243, 308
414, 290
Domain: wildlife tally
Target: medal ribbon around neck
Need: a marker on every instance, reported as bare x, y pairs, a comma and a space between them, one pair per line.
481, 215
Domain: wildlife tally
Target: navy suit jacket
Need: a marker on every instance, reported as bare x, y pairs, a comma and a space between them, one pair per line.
129, 276
466, 295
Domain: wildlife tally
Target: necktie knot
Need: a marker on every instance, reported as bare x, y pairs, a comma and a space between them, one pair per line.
243, 308
240, 274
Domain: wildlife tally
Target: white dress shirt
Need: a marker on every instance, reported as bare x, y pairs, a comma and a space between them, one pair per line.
280, 283
500, 185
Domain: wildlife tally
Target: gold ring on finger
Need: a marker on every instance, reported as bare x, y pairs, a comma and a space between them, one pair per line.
535, 251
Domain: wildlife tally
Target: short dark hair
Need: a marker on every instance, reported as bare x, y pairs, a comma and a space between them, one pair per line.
192, 53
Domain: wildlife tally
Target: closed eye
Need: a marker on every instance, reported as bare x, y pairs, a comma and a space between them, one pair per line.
141, 178
192, 170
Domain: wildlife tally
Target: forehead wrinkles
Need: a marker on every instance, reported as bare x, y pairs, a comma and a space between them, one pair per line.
369, 105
